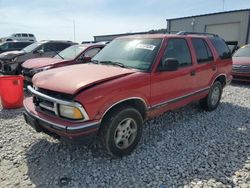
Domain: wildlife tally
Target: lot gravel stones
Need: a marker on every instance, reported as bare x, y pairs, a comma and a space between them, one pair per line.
183, 148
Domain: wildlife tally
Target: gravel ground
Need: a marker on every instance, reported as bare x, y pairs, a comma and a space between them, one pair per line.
184, 148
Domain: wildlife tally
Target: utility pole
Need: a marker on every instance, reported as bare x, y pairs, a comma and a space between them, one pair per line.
74, 30
223, 5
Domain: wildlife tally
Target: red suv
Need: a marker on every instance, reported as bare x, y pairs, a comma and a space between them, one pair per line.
132, 79
72, 55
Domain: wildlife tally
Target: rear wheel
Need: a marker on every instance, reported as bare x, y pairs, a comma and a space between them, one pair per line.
212, 101
121, 131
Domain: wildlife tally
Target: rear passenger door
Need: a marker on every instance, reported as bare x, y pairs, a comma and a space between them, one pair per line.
205, 66
173, 86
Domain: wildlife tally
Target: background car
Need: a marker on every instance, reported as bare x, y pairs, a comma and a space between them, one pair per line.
11, 61
241, 64
13, 45
20, 37
72, 55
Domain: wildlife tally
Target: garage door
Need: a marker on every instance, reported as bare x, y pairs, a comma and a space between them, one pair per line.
228, 31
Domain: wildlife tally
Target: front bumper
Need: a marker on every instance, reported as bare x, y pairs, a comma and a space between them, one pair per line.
241, 77
77, 132
8, 68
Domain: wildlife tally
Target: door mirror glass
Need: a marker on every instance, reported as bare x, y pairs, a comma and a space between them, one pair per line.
169, 64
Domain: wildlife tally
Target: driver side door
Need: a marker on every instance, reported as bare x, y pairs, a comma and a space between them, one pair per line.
168, 87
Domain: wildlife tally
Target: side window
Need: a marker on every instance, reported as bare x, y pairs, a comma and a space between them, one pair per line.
48, 47
92, 52
178, 49
203, 53
221, 48
24, 35
61, 46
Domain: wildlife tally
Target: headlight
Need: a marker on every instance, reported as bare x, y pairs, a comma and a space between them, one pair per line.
70, 112
34, 71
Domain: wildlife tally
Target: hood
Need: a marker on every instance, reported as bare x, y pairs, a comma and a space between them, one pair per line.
11, 54
41, 62
241, 60
71, 79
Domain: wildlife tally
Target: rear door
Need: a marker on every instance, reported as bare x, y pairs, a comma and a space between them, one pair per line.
205, 65
173, 86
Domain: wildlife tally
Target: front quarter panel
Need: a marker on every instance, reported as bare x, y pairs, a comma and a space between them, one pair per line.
98, 99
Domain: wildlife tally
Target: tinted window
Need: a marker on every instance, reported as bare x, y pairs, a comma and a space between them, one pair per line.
203, 53
178, 49
31, 35
61, 46
49, 47
92, 52
25, 35
19, 35
221, 47
21, 45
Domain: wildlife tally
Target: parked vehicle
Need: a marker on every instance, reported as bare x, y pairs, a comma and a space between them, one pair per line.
13, 45
241, 64
132, 79
72, 55
28, 37
10, 62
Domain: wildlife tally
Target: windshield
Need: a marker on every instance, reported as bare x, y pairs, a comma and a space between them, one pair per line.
31, 47
243, 52
133, 53
71, 52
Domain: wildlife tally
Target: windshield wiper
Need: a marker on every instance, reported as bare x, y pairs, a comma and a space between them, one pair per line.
56, 52
113, 63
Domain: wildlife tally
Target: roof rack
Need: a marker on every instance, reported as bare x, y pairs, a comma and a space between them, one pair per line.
196, 33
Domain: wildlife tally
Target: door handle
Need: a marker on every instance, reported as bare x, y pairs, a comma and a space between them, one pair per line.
192, 73
213, 68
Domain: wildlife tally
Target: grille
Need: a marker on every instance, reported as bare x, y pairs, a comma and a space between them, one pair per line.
241, 68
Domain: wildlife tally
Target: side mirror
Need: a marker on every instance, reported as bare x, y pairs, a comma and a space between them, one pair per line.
40, 52
169, 64
84, 59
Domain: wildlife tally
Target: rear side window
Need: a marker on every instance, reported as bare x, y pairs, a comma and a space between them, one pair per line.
31, 35
178, 49
203, 53
61, 46
221, 48
24, 35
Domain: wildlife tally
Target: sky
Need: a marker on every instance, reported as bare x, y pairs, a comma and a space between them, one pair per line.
54, 19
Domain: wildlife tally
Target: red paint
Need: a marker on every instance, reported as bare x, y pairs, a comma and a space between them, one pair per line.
241, 75
99, 87
11, 91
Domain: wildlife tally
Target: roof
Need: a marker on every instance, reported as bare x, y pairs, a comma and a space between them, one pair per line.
210, 14
162, 36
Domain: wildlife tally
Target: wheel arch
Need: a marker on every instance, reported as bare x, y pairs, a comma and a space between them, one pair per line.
221, 78
136, 102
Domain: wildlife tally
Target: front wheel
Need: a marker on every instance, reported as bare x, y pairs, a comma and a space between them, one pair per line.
212, 101
121, 131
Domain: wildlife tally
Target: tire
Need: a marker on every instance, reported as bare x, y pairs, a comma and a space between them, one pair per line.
121, 131
212, 101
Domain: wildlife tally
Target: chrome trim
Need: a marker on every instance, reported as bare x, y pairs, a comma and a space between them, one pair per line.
59, 101
62, 127
179, 98
131, 98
